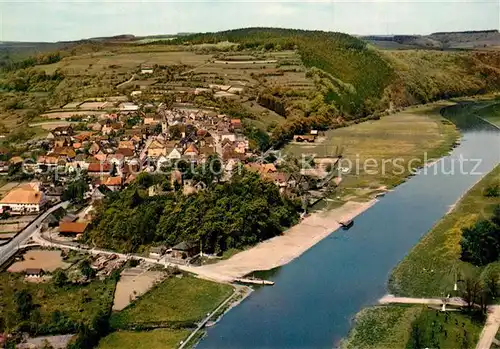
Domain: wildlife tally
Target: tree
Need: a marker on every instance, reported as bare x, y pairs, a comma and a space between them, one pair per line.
481, 243
175, 132
225, 215
416, 337
59, 277
87, 270
471, 291
75, 191
492, 191
24, 304
496, 216
490, 280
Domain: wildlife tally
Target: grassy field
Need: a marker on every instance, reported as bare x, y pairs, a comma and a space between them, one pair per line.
394, 327
176, 300
407, 135
382, 327
79, 303
155, 339
431, 266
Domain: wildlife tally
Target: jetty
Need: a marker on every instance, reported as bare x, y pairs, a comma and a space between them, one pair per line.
254, 281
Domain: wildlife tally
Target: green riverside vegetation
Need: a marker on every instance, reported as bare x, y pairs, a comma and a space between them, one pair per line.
400, 327
433, 265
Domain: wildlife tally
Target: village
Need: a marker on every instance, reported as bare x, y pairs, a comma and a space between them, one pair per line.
110, 149
47, 205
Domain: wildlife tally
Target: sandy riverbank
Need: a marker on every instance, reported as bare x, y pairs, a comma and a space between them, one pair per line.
282, 249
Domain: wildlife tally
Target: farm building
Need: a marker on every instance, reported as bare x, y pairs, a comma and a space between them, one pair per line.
185, 250
72, 228
24, 199
304, 138
147, 69
129, 107
33, 272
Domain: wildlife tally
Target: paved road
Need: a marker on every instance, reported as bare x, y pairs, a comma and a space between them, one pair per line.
490, 329
9, 249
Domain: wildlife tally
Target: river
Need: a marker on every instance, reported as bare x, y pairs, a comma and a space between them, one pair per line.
316, 296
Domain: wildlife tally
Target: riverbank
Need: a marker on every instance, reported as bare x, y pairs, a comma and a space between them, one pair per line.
402, 326
418, 133
283, 249
429, 270
414, 137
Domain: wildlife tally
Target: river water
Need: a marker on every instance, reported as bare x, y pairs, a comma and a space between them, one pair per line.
316, 296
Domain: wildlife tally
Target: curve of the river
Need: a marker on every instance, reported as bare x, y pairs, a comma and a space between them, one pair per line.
316, 296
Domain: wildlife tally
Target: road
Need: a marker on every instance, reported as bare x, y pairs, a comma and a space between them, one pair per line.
389, 299
42, 241
49, 125
490, 329
9, 249
126, 82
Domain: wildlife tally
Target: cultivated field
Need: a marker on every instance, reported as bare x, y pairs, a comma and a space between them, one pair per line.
134, 282
177, 300
123, 62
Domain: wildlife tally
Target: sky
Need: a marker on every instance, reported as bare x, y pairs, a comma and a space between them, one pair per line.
55, 20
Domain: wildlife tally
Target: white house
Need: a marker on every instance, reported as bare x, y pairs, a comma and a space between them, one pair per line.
229, 136
24, 199
175, 154
162, 161
129, 106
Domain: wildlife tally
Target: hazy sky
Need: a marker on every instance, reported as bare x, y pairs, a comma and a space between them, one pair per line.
53, 20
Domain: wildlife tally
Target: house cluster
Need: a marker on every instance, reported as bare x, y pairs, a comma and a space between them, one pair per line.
115, 147
113, 152
287, 182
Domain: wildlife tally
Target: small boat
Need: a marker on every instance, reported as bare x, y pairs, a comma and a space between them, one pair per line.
347, 224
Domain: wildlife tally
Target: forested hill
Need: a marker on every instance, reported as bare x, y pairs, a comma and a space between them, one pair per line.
345, 57
375, 77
